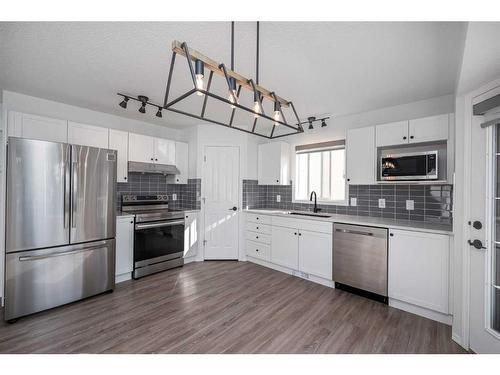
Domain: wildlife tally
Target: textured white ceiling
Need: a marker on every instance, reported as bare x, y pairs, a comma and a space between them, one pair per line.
325, 68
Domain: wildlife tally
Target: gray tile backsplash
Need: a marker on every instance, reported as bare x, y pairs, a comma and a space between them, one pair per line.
188, 195
432, 203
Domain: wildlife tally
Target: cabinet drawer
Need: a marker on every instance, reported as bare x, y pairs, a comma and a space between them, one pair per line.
258, 250
255, 218
312, 225
259, 227
258, 237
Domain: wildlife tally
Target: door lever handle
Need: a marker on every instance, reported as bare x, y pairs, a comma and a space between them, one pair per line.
477, 244
234, 209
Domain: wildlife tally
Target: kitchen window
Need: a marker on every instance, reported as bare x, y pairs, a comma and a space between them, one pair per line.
320, 167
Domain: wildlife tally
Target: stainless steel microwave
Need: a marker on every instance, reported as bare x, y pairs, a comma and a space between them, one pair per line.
410, 166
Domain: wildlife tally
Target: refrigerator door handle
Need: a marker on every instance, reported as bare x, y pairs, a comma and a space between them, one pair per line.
66, 191
74, 183
61, 253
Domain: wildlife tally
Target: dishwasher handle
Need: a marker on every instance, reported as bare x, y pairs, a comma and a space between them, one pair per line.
354, 232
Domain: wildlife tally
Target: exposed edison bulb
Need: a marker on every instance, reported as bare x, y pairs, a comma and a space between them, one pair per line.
276, 118
233, 98
257, 109
199, 84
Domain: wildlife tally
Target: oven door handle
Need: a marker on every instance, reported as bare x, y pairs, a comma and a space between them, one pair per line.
158, 225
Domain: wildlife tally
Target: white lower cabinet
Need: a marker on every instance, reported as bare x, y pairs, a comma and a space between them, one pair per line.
285, 247
191, 243
297, 244
124, 247
315, 253
419, 269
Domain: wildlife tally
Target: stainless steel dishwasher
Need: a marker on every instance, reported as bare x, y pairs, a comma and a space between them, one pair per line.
360, 260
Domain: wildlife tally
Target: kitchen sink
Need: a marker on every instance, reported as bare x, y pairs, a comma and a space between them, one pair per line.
309, 214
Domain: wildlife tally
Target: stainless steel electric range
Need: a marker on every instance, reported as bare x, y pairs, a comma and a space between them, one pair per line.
158, 234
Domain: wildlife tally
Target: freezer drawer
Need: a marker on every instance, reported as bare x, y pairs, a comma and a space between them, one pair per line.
360, 257
37, 280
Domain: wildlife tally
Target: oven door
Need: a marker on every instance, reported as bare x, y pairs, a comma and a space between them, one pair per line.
158, 241
411, 167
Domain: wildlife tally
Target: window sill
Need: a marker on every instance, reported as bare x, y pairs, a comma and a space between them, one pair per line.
326, 203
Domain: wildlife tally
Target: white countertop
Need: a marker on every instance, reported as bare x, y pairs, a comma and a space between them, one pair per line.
417, 226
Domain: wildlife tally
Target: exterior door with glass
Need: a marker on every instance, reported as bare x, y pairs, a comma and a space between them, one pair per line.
484, 234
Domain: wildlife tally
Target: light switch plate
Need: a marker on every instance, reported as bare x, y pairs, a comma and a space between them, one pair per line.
354, 201
381, 203
174, 197
278, 198
410, 204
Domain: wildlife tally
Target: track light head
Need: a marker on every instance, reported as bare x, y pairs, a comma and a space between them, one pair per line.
144, 100
311, 119
323, 123
123, 103
158, 114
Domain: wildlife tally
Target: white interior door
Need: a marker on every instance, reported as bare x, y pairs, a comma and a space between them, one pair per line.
484, 292
221, 184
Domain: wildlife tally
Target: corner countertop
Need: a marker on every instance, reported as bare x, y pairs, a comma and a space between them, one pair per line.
416, 226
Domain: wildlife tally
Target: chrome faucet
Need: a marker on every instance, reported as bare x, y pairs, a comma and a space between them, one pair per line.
315, 209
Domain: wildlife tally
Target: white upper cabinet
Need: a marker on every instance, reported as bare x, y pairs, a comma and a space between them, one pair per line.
419, 269
394, 133
360, 155
140, 148
24, 125
146, 149
274, 163
181, 162
87, 135
118, 140
427, 129
164, 151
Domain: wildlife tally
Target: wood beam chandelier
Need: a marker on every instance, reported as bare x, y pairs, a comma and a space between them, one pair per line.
257, 123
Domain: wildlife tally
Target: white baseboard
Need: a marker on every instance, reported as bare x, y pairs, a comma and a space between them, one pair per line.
417, 310
192, 259
314, 279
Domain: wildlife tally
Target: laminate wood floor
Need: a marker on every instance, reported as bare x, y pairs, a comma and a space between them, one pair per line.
225, 307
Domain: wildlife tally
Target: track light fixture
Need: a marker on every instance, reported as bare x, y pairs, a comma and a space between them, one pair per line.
123, 103
158, 114
312, 119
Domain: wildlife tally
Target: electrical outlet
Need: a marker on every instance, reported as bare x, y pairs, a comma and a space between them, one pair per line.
381, 203
278, 198
354, 201
174, 197
410, 204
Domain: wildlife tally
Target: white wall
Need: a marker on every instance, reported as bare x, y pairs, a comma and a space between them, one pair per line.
480, 63
38, 106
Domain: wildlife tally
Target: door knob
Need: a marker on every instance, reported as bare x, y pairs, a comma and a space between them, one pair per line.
476, 224
477, 244
234, 209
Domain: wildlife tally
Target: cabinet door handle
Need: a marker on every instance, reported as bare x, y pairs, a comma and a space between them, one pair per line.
295, 234
404, 137
411, 137
300, 234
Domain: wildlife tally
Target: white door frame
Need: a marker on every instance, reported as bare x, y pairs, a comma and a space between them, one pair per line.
461, 223
203, 193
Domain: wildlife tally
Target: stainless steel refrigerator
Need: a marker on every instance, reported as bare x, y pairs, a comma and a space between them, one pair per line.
60, 224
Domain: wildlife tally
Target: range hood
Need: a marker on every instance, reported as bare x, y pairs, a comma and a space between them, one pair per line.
165, 169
